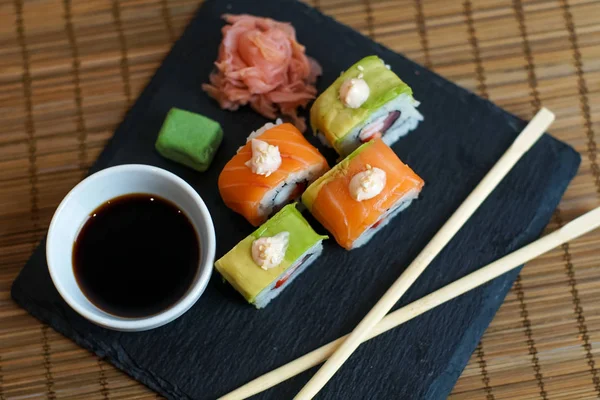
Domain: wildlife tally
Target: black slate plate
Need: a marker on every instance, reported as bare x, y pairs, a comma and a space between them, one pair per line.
222, 342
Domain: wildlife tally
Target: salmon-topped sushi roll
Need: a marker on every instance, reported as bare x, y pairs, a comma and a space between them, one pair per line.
361, 194
273, 169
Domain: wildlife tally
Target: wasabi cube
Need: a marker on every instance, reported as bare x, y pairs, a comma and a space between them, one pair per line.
262, 265
190, 139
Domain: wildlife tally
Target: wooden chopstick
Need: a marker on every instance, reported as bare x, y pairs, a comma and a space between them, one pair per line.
572, 230
532, 132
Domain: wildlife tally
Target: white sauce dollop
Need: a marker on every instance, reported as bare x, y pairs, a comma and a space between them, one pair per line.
268, 252
367, 184
265, 158
354, 92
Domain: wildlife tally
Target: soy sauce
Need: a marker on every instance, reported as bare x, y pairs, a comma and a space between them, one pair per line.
136, 255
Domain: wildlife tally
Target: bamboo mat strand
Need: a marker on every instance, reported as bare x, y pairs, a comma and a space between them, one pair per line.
70, 69
423, 34
80, 125
535, 103
482, 91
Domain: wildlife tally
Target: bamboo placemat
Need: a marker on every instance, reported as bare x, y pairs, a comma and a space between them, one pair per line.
69, 70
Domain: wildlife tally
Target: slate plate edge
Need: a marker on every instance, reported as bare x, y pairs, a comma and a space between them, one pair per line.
442, 387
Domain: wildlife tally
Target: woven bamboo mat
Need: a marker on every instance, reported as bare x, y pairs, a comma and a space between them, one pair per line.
69, 70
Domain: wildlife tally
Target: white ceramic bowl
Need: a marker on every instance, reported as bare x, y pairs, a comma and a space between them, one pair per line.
95, 190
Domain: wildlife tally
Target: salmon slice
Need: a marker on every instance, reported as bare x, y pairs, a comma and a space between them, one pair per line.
243, 191
346, 218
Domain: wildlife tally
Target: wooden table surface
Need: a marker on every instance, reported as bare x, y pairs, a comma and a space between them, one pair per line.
70, 69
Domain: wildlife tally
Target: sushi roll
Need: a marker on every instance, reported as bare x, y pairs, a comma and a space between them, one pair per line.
273, 169
263, 264
365, 102
361, 194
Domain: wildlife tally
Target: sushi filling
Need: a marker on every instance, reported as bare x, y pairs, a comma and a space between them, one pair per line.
282, 280
286, 194
289, 191
379, 127
286, 278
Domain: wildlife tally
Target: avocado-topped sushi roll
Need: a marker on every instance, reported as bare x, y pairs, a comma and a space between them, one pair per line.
273, 169
264, 263
365, 102
361, 194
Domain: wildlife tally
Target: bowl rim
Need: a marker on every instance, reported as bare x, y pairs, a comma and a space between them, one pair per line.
184, 303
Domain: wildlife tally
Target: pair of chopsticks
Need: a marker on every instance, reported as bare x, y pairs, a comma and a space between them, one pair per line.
374, 323
572, 230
